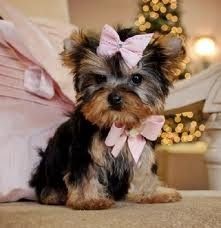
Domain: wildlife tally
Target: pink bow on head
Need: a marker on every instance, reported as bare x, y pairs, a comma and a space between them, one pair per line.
135, 138
131, 49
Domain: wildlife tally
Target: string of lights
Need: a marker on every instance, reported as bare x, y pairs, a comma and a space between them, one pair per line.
181, 128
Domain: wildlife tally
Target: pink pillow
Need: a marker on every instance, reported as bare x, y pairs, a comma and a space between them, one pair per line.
25, 126
33, 100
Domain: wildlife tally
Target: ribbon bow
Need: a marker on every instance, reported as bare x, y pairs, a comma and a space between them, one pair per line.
36, 79
135, 138
131, 49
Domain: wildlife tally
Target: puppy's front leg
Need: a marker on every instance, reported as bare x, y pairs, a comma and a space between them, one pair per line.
145, 186
87, 195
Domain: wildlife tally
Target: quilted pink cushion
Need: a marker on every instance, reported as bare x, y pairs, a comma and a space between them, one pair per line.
33, 99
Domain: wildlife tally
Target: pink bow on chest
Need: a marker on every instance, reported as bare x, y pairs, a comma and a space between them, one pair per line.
135, 138
131, 49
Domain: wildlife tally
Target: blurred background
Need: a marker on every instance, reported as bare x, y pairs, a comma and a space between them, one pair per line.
198, 17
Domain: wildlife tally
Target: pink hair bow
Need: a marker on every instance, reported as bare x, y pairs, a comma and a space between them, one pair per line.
135, 138
131, 49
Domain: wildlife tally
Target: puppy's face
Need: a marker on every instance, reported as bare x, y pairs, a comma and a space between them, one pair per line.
108, 91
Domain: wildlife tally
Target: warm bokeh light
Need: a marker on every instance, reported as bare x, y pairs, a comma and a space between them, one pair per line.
145, 8
205, 47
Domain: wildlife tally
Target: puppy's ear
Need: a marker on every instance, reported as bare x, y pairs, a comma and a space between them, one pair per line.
168, 52
76, 47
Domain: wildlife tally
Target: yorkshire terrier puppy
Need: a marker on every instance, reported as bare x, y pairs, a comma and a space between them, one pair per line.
103, 152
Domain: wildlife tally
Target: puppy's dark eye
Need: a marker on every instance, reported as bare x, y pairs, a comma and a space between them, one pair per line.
136, 79
100, 79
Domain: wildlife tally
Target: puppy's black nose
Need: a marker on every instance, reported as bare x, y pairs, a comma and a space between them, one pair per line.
114, 99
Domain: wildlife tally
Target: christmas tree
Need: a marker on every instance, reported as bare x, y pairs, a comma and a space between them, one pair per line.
163, 17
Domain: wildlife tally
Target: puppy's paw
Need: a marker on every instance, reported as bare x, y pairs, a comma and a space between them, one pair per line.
51, 196
165, 195
91, 204
161, 195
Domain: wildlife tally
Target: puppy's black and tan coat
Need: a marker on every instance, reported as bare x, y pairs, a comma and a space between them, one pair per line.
77, 168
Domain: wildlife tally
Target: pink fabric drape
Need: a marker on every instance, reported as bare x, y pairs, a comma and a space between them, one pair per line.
33, 97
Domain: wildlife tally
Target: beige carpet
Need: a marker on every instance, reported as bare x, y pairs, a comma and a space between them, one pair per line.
190, 212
